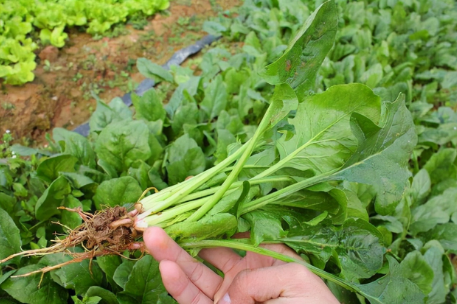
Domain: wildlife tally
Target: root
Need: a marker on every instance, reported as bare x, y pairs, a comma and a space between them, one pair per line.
107, 232
43, 251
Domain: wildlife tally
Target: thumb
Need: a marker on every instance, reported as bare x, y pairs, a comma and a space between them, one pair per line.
291, 281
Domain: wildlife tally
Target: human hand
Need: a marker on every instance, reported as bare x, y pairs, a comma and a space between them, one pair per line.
252, 279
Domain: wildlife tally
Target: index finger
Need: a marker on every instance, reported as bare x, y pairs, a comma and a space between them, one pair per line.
162, 247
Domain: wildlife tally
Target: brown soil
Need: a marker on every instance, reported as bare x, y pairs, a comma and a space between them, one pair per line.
60, 95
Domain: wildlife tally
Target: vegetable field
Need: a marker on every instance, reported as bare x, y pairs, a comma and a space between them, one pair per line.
330, 127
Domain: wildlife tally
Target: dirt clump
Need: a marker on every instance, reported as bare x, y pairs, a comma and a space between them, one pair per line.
49, 53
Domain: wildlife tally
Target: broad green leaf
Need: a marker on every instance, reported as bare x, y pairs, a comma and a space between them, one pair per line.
106, 296
117, 192
420, 187
182, 94
446, 234
109, 264
86, 300
144, 284
71, 219
78, 181
27, 151
323, 141
122, 272
7, 202
382, 155
26, 290
438, 210
103, 116
10, 240
121, 144
149, 106
283, 101
234, 79
215, 99
152, 70
52, 198
299, 64
434, 257
356, 244
416, 268
393, 288
50, 168
185, 158
75, 144
441, 165
78, 276
265, 225
120, 108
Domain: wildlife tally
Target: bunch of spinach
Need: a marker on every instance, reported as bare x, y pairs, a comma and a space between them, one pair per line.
322, 206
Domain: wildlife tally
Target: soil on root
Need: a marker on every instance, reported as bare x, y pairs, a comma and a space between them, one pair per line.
104, 233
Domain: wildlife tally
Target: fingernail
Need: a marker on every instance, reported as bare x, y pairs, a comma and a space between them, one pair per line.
225, 299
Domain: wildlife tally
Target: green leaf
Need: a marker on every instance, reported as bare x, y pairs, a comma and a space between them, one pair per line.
121, 144
7, 202
299, 64
416, 268
420, 187
283, 101
149, 106
71, 219
144, 284
104, 115
446, 234
78, 276
106, 296
265, 226
215, 99
438, 210
380, 153
327, 141
109, 264
50, 168
356, 245
393, 288
86, 300
10, 240
434, 257
122, 272
152, 70
75, 144
441, 165
52, 198
117, 192
26, 290
185, 158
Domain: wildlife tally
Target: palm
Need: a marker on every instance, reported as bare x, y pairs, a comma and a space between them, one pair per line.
191, 282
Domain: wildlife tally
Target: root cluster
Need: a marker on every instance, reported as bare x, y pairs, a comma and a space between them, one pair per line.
107, 232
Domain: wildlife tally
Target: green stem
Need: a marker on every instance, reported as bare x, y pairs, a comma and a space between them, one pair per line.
157, 219
265, 200
198, 201
236, 170
258, 181
191, 184
242, 245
